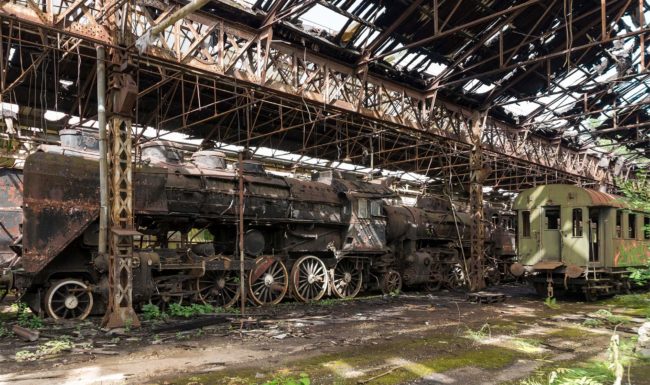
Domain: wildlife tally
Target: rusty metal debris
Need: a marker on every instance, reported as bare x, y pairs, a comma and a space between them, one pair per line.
25, 334
486, 297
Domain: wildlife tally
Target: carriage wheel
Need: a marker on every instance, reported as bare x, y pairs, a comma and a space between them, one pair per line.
219, 288
70, 299
268, 281
347, 279
391, 282
309, 279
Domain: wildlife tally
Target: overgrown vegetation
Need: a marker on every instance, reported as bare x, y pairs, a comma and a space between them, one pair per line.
479, 335
620, 355
592, 323
603, 317
639, 276
611, 318
551, 303
302, 380
176, 310
591, 374
49, 348
152, 312
25, 317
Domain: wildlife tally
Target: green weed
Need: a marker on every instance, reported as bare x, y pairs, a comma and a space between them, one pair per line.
551, 303
302, 380
592, 323
176, 310
152, 312
639, 276
479, 335
26, 318
611, 318
49, 348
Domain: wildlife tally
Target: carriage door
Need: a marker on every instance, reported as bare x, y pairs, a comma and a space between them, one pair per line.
594, 240
551, 236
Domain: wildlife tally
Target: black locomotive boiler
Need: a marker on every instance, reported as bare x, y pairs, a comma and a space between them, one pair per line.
306, 239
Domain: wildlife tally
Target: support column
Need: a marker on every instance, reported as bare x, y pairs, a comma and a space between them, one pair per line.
477, 176
123, 92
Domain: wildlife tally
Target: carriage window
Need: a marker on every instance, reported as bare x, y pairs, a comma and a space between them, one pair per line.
552, 217
525, 221
363, 208
619, 218
646, 227
631, 226
375, 208
577, 222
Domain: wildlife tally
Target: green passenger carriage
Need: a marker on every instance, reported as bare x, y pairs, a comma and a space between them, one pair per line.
578, 239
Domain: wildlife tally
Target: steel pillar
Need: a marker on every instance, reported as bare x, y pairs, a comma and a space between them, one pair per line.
123, 93
477, 176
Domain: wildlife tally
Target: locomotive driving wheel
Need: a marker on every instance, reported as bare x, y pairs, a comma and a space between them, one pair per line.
456, 277
219, 288
70, 299
436, 277
309, 279
347, 279
168, 290
391, 282
268, 281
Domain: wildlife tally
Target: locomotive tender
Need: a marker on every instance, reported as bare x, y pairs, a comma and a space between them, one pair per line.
578, 239
332, 235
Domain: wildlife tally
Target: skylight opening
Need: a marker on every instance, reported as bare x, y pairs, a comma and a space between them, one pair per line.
435, 68
394, 58
522, 108
574, 77
495, 35
367, 32
478, 87
355, 5
53, 116
323, 17
375, 16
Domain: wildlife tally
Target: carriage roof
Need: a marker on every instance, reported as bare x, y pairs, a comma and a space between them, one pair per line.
566, 195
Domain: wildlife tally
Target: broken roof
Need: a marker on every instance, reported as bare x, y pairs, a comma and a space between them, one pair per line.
570, 70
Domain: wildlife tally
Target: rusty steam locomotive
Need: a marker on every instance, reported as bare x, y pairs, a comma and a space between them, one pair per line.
334, 234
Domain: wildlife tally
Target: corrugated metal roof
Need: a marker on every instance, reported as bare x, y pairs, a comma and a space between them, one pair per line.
604, 199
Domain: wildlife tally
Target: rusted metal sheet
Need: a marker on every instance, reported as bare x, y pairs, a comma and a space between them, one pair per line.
604, 199
61, 201
11, 214
149, 196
